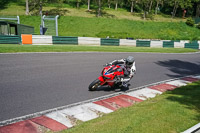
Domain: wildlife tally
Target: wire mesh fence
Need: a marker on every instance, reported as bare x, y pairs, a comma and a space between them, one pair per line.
10, 19
50, 22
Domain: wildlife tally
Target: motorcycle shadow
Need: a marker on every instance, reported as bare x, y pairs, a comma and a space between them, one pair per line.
116, 89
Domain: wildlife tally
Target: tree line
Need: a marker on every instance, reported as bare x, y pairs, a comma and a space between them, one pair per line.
178, 8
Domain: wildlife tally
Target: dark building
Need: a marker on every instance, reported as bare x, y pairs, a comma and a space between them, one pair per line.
10, 28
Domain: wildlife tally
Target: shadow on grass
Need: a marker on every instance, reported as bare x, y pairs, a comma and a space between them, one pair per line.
51, 12
180, 68
56, 11
189, 96
103, 14
4, 3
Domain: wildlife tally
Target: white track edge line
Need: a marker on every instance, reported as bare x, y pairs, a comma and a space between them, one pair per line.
37, 114
93, 52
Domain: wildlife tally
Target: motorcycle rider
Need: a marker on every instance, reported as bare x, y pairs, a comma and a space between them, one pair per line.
128, 65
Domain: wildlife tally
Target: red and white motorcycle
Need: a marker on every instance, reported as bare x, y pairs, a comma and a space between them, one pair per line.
110, 76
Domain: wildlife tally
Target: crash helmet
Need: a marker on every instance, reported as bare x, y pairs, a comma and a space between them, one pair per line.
129, 61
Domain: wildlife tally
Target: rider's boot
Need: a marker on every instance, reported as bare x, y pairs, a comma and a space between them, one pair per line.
125, 84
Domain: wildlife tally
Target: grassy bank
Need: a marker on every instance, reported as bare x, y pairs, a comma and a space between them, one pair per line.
12, 48
70, 10
115, 24
172, 112
118, 28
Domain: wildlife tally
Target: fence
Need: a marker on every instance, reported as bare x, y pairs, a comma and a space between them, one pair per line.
110, 42
51, 24
64, 40
4, 39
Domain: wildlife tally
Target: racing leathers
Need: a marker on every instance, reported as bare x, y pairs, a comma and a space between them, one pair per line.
129, 71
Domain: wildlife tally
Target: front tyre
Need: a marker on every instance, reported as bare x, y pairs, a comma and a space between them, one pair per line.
94, 85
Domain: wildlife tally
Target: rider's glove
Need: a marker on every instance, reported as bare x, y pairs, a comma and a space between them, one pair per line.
134, 71
108, 64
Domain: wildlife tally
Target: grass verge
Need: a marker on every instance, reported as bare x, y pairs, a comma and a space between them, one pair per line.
172, 112
115, 24
117, 28
69, 10
13, 48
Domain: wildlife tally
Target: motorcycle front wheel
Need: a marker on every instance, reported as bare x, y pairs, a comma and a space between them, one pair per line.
94, 85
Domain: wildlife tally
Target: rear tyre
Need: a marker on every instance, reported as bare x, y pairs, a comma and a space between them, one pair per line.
94, 85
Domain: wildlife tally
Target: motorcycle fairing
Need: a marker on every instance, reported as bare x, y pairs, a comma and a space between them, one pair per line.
109, 73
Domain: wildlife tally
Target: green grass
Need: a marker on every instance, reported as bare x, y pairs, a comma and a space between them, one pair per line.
81, 12
115, 24
8, 11
118, 28
13, 48
171, 112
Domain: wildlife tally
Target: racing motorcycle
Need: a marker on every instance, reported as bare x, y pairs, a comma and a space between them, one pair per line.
110, 76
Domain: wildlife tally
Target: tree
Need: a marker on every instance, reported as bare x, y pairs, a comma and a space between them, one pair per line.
197, 10
36, 6
27, 8
183, 4
33, 6
109, 3
172, 7
99, 8
88, 5
175, 8
116, 4
157, 3
132, 5
78, 3
145, 5
150, 5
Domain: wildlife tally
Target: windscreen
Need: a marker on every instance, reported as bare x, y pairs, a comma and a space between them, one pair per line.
113, 69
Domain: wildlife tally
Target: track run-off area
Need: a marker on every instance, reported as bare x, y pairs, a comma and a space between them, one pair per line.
34, 82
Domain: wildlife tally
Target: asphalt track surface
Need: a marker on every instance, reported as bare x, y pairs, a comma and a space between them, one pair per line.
34, 82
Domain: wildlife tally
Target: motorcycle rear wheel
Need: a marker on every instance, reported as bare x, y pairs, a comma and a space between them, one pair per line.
94, 85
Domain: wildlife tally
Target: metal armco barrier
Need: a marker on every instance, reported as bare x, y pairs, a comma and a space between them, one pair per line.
65, 40
41, 40
88, 41
62, 40
127, 42
141, 43
110, 42
5, 39
168, 44
193, 45
180, 44
156, 44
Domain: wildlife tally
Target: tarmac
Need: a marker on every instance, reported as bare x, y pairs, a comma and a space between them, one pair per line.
67, 117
